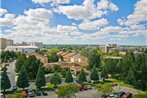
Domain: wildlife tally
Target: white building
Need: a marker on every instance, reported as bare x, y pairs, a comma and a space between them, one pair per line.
38, 44
22, 49
108, 48
9, 42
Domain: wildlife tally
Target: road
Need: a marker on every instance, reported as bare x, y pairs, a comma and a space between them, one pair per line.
11, 73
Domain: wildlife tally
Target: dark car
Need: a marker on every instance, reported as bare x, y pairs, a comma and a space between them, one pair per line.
44, 93
38, 93
127, 95
14, 88
31, 93
121, 93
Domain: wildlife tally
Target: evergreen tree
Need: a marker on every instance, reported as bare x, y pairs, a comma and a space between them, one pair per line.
55, 79
69, 78
94, 74
20, 62
22, 80
104, 74
82, 77
130, 79
5, 82
40, 79
94, 59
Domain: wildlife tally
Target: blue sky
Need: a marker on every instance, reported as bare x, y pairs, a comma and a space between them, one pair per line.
75, 21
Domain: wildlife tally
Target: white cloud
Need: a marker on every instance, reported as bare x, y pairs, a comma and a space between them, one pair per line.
7, 20
53, 1
105, 4
93, 25
88, 10
3, 11
139, 14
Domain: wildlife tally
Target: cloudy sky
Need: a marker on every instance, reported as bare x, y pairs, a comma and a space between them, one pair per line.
75, 21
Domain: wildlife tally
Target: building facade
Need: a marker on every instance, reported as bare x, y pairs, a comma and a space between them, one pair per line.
38, 44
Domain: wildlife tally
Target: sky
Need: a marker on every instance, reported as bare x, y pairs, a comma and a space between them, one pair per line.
122, 22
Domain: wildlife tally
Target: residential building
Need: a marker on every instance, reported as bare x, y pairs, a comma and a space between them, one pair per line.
22, 49
38, 44
74, 58
43, 58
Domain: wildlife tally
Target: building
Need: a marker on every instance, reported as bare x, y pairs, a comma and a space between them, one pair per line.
74, 58
9, 42
38, 44
108, 48
43, 58
22, 49
5, 42
2, 43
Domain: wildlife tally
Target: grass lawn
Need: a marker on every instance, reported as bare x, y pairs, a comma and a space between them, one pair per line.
121, 83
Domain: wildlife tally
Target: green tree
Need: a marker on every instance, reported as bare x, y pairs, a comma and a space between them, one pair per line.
104, 74
67, 91
69, 78
40, 79
22, 80
105, 88
94, 59
32, 63
130, 79
94, 74
57, 68
82, 77
55, 79
21, 60
63, 73
5, 82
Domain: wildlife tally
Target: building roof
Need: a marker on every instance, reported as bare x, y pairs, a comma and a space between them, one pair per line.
32, 47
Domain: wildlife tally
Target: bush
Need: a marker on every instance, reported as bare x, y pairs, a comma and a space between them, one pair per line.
140, 96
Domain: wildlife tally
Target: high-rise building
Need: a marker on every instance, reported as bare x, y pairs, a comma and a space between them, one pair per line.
9, 42
38, 44
2, 43
5, 42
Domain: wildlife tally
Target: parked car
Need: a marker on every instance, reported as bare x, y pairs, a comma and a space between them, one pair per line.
121, 93
14, 88
24, 93
44, 93
83, 87
31, 93
127, 95
112, 96
89, 87
38, 93
1, 95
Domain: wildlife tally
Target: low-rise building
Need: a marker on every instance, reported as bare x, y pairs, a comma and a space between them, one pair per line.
22, 49
108, 48
38, 44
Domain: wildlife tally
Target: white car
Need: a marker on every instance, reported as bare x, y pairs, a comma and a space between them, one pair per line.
112, 96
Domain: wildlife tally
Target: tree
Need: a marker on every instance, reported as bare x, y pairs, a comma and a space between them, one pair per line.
55, 79
69, 78
104, 74
40, 79
67, 91
94, 74
32, 63
130, 79
21, 61
94, 59
105, 88
22, 80
5, 82
63, 73
57, 68
82, 77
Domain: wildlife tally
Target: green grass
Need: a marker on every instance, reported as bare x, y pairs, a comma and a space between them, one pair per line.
121, 83
140, 96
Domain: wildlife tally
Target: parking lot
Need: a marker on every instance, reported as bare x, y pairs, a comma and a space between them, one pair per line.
82, 94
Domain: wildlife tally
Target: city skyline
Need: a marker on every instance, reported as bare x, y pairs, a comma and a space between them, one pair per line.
75, 21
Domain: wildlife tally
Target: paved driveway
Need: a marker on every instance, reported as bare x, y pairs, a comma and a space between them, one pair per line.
82, 94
